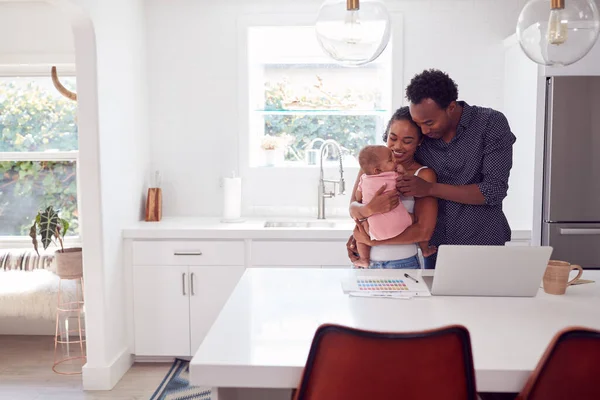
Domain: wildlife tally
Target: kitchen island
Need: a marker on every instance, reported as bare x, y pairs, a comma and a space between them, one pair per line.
258, 345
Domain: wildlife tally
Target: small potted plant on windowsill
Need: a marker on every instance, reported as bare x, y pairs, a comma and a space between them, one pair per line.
49, 226
274, 148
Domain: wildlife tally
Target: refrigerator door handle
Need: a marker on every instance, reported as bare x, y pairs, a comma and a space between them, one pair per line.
579, 231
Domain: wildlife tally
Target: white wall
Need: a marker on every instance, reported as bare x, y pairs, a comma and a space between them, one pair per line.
124, 161
34, 32
109, 41
194, 92
520, 107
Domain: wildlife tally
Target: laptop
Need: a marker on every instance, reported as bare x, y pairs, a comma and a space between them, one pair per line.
508, 271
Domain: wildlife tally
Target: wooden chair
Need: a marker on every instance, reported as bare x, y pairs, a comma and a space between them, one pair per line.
569, 368
353, 364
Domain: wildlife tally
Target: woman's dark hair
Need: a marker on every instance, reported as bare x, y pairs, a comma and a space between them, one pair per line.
432, 84
401, 114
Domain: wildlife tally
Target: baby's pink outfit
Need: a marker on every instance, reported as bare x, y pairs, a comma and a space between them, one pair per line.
392, 223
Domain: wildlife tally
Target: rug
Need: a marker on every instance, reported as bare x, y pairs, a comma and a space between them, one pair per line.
176, 385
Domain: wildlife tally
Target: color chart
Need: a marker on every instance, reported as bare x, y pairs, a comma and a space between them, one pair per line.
385, 285
380, 284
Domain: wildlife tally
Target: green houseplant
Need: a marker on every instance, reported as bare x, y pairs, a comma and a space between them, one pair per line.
50, 227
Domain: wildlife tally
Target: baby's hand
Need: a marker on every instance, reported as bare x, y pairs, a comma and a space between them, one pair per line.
400, 170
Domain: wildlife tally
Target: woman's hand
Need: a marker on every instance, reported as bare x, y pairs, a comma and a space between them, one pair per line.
361, 235
383, 202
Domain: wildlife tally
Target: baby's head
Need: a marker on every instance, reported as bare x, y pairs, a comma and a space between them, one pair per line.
374, 160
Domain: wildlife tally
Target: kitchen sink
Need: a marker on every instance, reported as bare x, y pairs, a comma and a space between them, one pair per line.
300, 224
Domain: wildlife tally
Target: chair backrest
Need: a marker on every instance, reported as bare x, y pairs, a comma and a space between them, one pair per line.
352, 364
569, 369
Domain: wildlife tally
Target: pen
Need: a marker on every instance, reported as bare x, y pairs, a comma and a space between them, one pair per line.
410, 277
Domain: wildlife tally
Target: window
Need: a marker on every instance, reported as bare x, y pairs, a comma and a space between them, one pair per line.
297, 96
38, 152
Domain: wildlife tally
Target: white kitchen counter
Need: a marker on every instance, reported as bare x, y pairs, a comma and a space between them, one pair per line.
253, 228
263, 334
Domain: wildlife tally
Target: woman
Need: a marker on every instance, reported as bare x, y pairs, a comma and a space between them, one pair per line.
403, 137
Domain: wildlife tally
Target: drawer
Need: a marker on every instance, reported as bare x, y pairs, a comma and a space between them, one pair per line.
299, 254
188, 252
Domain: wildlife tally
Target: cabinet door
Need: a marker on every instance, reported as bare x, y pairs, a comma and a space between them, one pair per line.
161, 310
210, 287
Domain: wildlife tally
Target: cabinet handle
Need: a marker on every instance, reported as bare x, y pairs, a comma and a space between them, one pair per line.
579, 231
188, 253
192, 283
183, 283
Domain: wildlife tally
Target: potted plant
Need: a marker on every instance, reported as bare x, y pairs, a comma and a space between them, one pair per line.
49, 226
274, 148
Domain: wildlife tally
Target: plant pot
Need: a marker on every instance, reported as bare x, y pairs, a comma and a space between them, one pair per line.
270, 158
273, 157
69, 263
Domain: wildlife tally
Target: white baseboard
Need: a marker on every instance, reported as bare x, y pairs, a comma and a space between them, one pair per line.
105, 378
158, 359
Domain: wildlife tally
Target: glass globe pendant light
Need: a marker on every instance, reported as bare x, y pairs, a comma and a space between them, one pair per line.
558, 32
353, 32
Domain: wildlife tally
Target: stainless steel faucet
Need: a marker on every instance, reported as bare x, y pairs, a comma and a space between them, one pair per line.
342, 185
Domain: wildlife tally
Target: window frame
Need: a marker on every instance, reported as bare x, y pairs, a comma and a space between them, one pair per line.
37, 71
244, 23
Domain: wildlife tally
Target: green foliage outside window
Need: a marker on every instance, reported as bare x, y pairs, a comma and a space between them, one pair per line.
318, 116
34, 118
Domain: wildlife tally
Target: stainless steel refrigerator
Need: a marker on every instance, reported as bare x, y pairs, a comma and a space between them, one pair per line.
571, 200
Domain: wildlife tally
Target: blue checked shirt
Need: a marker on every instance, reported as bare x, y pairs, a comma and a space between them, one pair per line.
480, 153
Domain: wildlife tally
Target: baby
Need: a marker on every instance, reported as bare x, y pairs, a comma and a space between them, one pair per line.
377, 163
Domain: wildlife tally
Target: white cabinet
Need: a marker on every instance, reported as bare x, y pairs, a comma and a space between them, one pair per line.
179, 289
161, 310
306, 254
210, 288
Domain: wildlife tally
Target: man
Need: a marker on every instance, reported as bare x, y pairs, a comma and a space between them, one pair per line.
470, 148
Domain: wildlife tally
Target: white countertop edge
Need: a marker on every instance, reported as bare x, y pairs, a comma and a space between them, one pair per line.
276, 377
252, 228
283, 233
232, 376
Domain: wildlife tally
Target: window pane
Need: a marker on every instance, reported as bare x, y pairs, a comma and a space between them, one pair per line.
27, 187
301, 94
352, 132
35, 117
323, 87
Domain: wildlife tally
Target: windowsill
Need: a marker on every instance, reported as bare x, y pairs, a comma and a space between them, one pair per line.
21, 242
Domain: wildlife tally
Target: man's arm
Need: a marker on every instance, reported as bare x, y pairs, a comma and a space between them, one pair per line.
496, 166
465, 194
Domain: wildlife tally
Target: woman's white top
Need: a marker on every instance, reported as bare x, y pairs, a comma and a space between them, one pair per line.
390, 252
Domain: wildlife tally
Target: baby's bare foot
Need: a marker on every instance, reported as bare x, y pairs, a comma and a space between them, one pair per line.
362, 263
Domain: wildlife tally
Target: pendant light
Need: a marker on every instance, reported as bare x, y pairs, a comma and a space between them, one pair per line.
353, 32
558, 32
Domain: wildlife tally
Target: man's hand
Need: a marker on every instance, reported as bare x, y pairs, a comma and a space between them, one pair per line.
429, 251
352, 251
410, 185
383, 202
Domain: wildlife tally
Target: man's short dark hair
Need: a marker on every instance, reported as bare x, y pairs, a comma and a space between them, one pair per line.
432, 84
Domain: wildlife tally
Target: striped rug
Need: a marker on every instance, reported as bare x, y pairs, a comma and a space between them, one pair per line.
176, 385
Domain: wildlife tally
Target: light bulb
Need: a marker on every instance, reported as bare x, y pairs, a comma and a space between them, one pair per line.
557, 27
558, 32
353, 32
